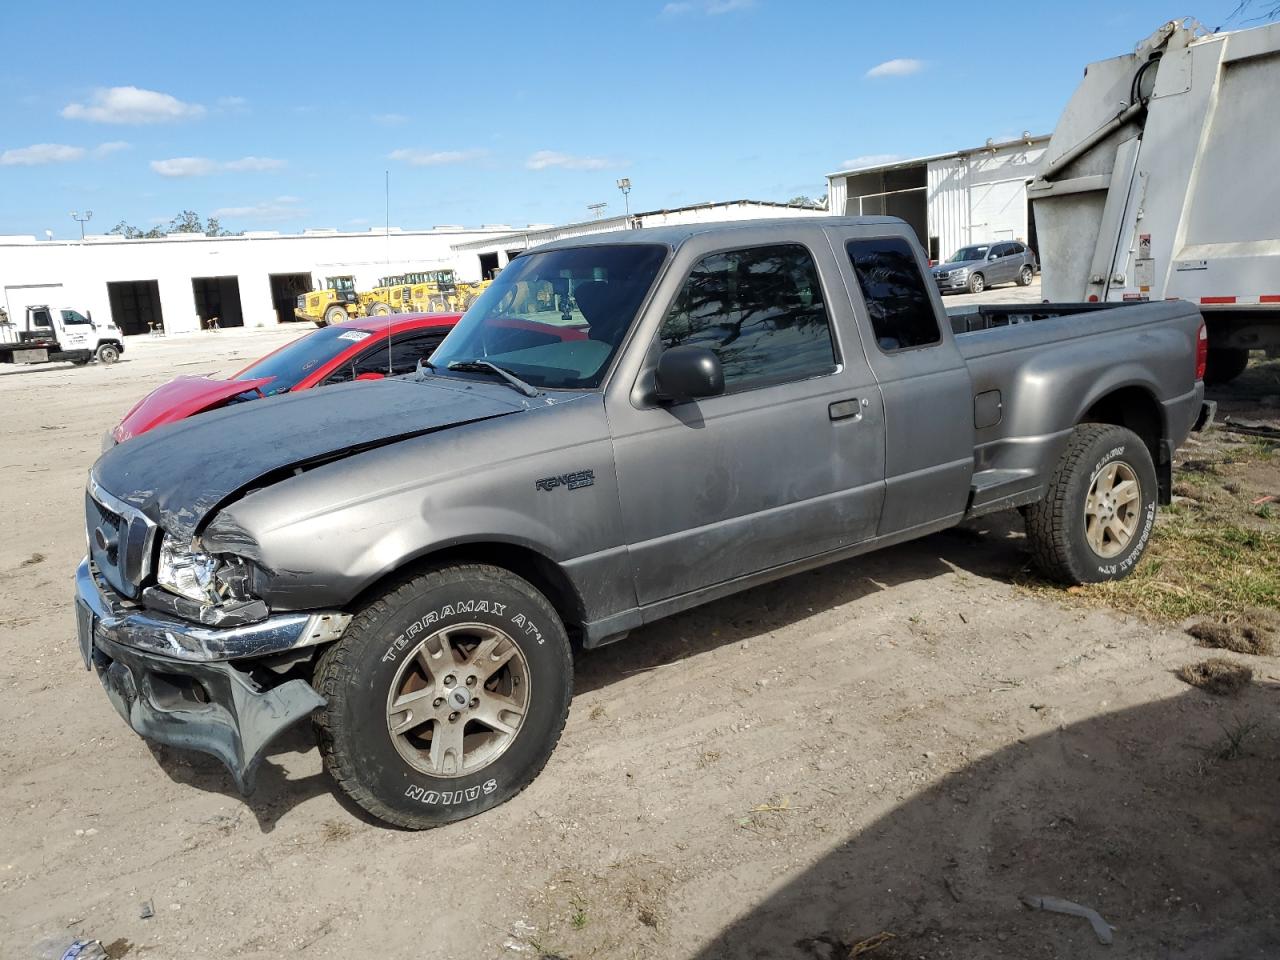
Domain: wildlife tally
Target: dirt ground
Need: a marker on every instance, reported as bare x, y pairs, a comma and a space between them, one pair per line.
903, 744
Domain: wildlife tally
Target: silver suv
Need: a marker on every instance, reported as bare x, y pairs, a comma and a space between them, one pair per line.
983, 265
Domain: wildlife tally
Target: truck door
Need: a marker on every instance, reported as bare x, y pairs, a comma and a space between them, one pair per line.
787, 463
928, 395
75, 331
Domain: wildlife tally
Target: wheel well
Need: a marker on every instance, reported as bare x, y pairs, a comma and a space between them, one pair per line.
543, 573
1136, 409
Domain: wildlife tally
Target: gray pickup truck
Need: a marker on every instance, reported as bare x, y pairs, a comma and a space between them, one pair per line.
412, 560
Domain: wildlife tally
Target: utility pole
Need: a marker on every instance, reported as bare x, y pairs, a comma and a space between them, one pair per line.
625, 186
88, 215
597, 209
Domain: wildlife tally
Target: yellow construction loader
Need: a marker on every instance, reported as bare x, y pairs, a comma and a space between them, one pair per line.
430, 291
334, 303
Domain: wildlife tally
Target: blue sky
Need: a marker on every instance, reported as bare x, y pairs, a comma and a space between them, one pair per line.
277, 115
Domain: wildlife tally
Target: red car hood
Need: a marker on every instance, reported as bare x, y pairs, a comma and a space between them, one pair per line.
178, 399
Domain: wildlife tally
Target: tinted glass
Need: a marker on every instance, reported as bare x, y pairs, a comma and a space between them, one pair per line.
592, 290
290, 364
760, 310
72, 317
406, 352
40, 318
898, 304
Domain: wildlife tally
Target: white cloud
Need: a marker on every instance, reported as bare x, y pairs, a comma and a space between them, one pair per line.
185, 167
233, 104
39, 154
871, 160
132, 105
254, 164
113, 146
900, 67
434, 158
545, 159
281, 208
390, 119
203, 166
711, 8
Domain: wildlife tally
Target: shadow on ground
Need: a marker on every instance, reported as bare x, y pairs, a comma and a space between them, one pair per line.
1151, 816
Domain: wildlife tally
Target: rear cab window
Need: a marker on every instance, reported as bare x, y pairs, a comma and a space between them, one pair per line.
898, 302
760, 310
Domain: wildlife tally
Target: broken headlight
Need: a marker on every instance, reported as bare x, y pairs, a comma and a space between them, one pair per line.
189, 572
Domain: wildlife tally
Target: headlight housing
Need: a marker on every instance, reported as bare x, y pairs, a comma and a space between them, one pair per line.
187, 571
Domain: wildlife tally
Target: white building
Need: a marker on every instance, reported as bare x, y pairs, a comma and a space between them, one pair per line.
181, 280
488, 254
951, 199
178, 280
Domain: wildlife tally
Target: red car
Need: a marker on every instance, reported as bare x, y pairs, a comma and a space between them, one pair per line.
354, 350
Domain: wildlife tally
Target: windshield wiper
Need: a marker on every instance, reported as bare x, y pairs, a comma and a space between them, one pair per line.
484, 366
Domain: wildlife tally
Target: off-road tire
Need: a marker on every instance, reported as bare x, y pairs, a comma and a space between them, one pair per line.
108, 354
333, 315
977, 283
1056, 525
355, 676
380, 309
1224, 364
1025, 276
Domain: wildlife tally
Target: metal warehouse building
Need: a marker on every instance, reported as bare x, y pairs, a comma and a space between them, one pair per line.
182, 280
179, 282
951, 199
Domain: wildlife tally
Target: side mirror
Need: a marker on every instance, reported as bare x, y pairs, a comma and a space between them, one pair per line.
993, 256
689, 372
371, 376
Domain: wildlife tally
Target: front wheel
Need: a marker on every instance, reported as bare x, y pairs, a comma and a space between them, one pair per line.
445, 696
334, 315
977, 283
1025, 276
108, 353
1097, 515
379, 309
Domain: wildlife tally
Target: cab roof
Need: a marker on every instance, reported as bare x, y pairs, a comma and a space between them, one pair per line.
674, 236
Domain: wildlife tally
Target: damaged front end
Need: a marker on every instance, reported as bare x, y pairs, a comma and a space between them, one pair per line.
185, 652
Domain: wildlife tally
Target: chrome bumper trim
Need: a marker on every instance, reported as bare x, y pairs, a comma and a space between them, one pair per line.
165, 636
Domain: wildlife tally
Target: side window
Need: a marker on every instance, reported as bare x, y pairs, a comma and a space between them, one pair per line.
1004, 250
406, 353
1017, 249
40, 318
373, 360
898, 302
760, 310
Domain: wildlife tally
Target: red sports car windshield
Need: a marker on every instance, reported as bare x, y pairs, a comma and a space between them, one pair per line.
291, 363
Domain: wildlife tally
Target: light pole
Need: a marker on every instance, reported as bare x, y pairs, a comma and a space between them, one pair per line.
88, 215
625, 186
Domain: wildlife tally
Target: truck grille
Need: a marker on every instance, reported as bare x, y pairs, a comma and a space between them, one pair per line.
121, 540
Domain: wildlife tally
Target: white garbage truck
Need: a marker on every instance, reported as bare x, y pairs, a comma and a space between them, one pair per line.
1162, 180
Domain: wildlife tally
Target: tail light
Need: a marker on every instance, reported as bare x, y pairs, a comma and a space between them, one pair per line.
1202, 351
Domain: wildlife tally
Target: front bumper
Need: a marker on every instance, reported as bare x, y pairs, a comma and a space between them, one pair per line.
952, 283
172, 681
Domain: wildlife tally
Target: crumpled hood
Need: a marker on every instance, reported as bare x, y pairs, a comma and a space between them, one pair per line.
962, 265
177, 474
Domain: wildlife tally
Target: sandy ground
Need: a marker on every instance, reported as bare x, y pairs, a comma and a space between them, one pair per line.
901, 744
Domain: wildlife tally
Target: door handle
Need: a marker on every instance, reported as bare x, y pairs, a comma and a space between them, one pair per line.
850, 409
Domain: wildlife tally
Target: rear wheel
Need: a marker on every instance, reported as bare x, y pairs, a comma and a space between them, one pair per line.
1097, 515
335, 314
379, 309
1224, 364
977, 283
108, 353
445, 696
1025, 276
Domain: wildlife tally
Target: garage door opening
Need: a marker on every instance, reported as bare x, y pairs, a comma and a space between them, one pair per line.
488, 265
898, 192
285, 290
135, 306
217, 301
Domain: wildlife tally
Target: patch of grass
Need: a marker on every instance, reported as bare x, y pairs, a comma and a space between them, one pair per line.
1265, 511
579, 919
1194, 566
1254, 632
1217, 675
1234, 737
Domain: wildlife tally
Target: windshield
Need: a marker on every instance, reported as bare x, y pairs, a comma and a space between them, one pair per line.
594, 290
341, 283
970, 253
294, 361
